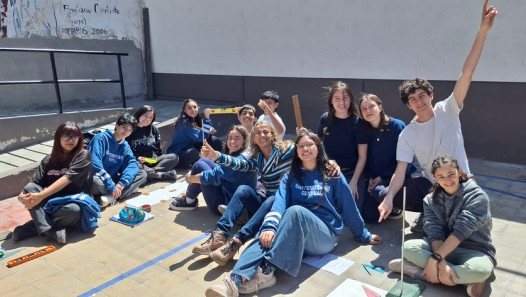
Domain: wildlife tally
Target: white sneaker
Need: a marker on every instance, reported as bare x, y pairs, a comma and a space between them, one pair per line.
410, 269
221, 208
107, 200
260, 281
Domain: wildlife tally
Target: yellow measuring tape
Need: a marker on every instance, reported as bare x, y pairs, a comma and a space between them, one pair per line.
224, 110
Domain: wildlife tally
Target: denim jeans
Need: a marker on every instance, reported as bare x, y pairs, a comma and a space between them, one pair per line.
299, 232
416, 189
67, 216
257, 206
361, 188
213, 195
469, 265
99, 188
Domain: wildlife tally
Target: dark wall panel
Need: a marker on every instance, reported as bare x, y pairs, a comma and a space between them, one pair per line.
491, 118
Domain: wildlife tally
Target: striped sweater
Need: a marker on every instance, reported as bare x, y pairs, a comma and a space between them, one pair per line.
271, 171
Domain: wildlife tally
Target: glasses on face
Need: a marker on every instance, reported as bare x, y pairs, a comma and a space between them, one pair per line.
306, 145
69, 138
264, 132
147, 116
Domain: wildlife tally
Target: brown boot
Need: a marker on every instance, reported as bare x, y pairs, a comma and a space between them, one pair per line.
215, 241
224, 254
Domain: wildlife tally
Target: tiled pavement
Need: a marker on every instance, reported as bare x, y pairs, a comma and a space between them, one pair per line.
155, 259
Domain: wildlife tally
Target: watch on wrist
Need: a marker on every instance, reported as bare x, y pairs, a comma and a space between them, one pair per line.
436, 256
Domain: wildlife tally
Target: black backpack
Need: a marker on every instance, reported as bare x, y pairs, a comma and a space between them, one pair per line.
88, 136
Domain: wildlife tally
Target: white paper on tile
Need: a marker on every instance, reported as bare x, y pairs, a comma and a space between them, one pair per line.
157, 196
329, 262
356, 287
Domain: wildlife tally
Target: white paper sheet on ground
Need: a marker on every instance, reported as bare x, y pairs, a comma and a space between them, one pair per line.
356, 287
177, 187
159, 195
329, 262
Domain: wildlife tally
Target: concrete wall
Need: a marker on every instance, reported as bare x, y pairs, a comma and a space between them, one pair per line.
380, 39
18, 132
231, 51
99, 25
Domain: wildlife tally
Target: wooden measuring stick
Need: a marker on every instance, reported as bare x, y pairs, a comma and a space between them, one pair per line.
30, 256
297, 111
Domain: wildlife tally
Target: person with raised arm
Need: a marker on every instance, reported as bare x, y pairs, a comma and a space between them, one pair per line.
434, 130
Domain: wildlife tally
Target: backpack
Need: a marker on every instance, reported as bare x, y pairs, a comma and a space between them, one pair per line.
88, 136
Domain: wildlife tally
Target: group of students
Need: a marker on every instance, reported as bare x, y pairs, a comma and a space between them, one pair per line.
297, 195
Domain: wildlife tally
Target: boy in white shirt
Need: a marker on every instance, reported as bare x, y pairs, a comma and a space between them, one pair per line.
269, 102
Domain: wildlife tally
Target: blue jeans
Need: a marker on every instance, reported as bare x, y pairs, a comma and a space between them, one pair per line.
299, 232
362, 193
213, 195
416, 189
257, 206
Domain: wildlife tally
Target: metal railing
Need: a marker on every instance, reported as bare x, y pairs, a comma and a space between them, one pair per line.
57, 81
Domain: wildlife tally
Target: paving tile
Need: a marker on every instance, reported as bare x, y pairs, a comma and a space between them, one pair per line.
40, 148
11, 283
14, 160
27, 154
89, 260
124, 286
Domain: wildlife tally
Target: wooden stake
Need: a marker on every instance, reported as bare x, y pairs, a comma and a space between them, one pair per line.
297, 111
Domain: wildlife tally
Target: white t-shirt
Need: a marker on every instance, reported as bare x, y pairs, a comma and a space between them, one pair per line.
439, 136
267, 119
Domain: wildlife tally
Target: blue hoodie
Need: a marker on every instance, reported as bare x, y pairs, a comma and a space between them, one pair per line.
335, 208
110, 157
186, 136
90, 210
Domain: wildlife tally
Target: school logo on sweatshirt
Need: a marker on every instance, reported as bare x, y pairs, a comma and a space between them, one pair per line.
314, 190
114, 158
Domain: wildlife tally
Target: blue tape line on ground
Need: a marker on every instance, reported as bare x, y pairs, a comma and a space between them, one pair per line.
502, 178
503, 192
141, 267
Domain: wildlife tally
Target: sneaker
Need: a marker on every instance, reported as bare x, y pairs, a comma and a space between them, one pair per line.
107, 201
24, 231
410, 269
180, 203
224, 254
395, 214
169, 175
57, 234
226, 289
215, 241
418, 224
476, 290
260, 281
221, 208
